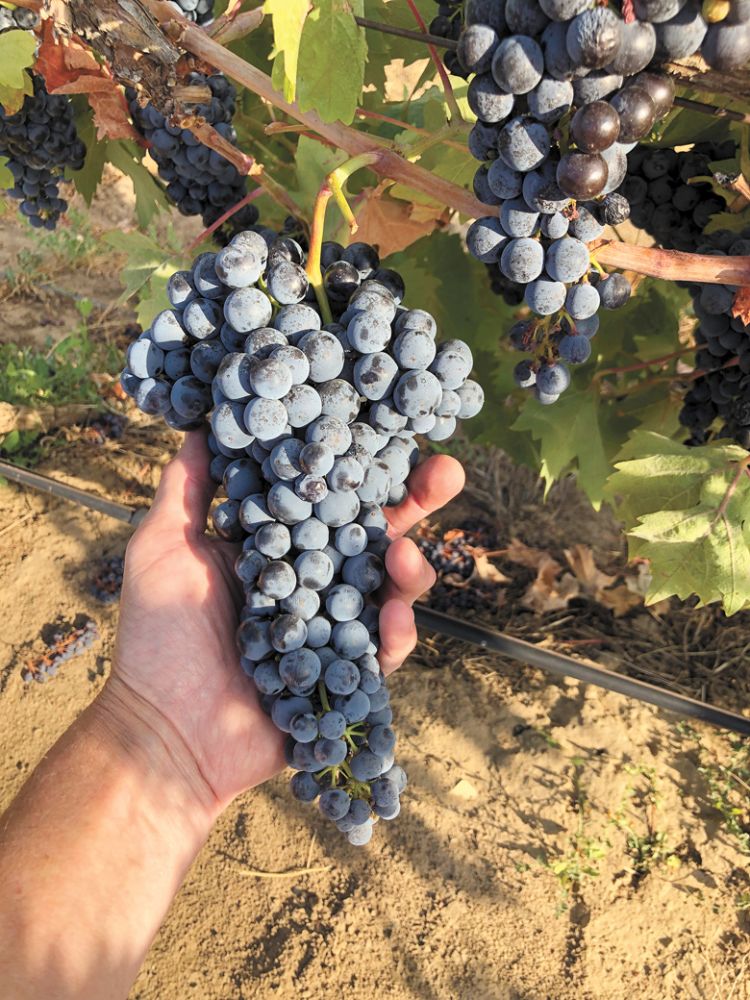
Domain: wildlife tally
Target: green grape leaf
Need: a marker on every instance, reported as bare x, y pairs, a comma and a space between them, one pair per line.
332, 57
569, 432
288, 21
17, 49
144, 257
87, 179
6, 177
149, 263
11, 98
690, 507
149, 196
153, 296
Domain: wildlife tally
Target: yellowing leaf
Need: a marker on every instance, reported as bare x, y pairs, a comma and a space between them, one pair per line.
17, 50
288, 21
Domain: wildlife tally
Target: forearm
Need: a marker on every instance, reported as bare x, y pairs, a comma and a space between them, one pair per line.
93, 851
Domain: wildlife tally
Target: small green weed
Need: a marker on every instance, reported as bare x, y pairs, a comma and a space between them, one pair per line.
59, 375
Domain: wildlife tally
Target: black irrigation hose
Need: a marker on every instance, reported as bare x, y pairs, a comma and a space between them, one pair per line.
130, 515
566, 666
435, 621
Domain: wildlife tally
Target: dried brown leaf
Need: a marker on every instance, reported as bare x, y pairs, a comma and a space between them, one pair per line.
581, 561
389, 224
522, 554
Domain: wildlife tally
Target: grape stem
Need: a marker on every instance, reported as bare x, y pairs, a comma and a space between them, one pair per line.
415, 36
313, 271
332, 187
338, 178
450, 97
643, 366
230, 27
669, 264
251, 196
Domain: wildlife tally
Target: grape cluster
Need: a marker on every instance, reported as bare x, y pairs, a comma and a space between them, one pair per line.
40, 140
448, 24
107, 582
723, 355
198, 180
104, 427
65, 644
665, 199
563, 90
200, 11
313, 430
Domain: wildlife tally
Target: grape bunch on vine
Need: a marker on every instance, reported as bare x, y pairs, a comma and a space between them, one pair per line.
355, 173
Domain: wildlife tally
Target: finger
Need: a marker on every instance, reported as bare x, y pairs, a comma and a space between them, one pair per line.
409, 573
398, 634
186, 489
431, 486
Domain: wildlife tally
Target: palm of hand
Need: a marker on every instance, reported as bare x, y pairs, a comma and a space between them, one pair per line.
179, 610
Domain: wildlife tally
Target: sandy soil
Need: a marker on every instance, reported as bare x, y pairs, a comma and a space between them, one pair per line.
557, 842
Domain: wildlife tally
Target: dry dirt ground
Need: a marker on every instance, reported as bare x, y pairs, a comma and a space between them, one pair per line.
557, 842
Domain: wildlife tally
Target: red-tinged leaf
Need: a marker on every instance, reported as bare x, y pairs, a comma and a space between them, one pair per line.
741, 307
61, 61
68, 67
108, 104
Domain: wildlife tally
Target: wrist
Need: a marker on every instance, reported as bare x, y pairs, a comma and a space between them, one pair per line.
152, 748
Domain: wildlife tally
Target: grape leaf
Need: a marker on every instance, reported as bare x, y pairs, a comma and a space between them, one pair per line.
568, 432
149, 262
389, 224
11, 99
88, 177
17, 50
288, 20
149, 197
6, 177
332, 56
691, 506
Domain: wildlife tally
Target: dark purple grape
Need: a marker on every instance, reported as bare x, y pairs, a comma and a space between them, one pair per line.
660, 88
637, 113
595, 127
582, 175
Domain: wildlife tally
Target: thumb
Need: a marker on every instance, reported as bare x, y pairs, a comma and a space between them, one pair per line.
186, 489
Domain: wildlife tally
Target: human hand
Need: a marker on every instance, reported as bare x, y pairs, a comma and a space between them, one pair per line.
176, 666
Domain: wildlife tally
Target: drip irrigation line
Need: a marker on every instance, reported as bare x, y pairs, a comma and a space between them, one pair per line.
415, 36
435, 621
130, 515
566, 666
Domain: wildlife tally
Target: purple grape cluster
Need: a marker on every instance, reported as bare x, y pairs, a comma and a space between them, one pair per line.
667, 200
313, 434
107, 582
40, 140
65, 644
563, 90
198, 180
